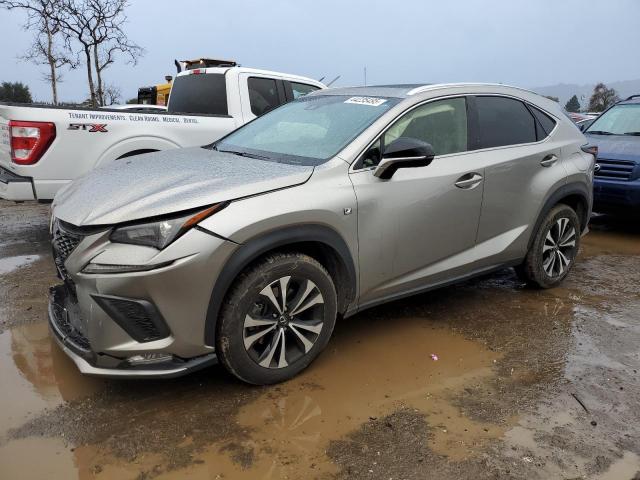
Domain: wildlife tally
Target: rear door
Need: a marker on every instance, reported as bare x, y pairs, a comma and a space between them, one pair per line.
413, 227
522, 164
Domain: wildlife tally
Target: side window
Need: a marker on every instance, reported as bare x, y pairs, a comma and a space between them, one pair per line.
442, 123
545, 122
300, 89
504, 121
263, 95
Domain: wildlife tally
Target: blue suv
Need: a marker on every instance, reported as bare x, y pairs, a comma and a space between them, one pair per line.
617, 172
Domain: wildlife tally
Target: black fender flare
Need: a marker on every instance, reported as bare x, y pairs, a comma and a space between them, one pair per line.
571, 189
257, 246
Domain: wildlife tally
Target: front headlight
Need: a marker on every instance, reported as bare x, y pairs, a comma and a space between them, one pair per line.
162, 232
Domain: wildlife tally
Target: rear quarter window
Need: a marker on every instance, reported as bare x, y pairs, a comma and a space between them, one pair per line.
204, 93
545, 122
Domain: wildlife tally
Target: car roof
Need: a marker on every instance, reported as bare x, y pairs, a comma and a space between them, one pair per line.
407, 90
257, 71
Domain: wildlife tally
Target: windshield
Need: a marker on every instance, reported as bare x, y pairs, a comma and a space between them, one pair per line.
307, 131
619, 120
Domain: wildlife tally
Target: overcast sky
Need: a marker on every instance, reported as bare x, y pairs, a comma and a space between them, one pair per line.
526, 43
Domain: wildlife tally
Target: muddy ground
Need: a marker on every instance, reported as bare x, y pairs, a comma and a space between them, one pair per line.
527, 384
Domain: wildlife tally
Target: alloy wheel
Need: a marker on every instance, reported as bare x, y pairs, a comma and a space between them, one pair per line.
284, 322
558, 250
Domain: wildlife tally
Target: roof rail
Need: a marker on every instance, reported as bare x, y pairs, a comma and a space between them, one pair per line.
632, 97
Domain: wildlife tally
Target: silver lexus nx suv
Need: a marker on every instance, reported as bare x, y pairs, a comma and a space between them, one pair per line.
246, 251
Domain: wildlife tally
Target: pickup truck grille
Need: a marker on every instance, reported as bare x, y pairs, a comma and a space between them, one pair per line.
615, 169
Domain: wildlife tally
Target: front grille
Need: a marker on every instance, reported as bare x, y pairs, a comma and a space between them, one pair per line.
615, 169
64, 243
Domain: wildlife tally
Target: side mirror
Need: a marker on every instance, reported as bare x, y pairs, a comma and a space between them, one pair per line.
403, 152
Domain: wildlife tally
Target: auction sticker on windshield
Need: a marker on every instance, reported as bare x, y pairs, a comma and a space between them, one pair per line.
371, 101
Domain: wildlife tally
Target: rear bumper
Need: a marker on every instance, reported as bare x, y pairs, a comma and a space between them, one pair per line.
62, 311
611, 195
15, 187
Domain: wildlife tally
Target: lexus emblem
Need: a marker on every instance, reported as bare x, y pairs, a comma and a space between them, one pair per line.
596, 167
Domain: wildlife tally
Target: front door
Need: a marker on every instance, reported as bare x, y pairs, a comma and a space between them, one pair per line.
414, 227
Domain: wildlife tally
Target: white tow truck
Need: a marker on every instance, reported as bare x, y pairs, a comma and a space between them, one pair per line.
43, 148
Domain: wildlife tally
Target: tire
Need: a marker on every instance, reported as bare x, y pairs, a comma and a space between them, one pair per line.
548, 261
253, 326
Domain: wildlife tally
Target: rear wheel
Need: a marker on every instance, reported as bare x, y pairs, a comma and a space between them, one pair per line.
277, 319
554, 248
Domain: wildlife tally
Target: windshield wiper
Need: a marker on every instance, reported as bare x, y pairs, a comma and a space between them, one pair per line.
243, 154
599, 132
633, 133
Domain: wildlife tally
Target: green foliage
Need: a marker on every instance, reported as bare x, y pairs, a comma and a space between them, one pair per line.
16, 92
603, 97
573, 105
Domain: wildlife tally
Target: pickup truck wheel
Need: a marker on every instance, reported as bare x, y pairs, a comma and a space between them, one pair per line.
554, 249
277, 319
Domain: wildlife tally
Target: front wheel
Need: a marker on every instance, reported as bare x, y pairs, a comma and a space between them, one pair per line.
554, 248
277, 319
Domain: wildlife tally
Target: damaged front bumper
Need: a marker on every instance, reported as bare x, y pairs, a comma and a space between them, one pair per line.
63, 315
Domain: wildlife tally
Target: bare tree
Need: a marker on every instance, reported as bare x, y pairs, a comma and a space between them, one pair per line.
603, 97
112, 95
44, 50
96, 26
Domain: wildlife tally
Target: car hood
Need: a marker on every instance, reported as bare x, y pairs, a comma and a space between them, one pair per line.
166, 182
617, 147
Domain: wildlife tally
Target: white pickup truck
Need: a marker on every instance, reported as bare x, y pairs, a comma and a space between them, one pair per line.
44, 148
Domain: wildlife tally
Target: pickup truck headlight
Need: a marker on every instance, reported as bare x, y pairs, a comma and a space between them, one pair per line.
162, 232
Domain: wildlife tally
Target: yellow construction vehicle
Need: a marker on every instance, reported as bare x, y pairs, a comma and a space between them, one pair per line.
157, 94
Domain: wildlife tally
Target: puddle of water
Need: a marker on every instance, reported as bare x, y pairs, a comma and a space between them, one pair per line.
354, 381
599, 242
35, 374
9, 264
287, 429
624, 469
35, 459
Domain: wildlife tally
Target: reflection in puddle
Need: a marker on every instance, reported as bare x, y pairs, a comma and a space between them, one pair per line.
35, 374
290, 426
285, 430
9, 264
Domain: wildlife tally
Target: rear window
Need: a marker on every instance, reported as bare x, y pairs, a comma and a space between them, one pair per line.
504, 121
204, 93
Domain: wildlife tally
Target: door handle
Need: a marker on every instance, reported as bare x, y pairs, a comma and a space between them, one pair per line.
549, 160
469, 181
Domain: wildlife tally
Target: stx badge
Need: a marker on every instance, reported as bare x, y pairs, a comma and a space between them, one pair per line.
91, 127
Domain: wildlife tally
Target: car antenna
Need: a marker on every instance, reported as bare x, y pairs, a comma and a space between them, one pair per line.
321, 78
332, 81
